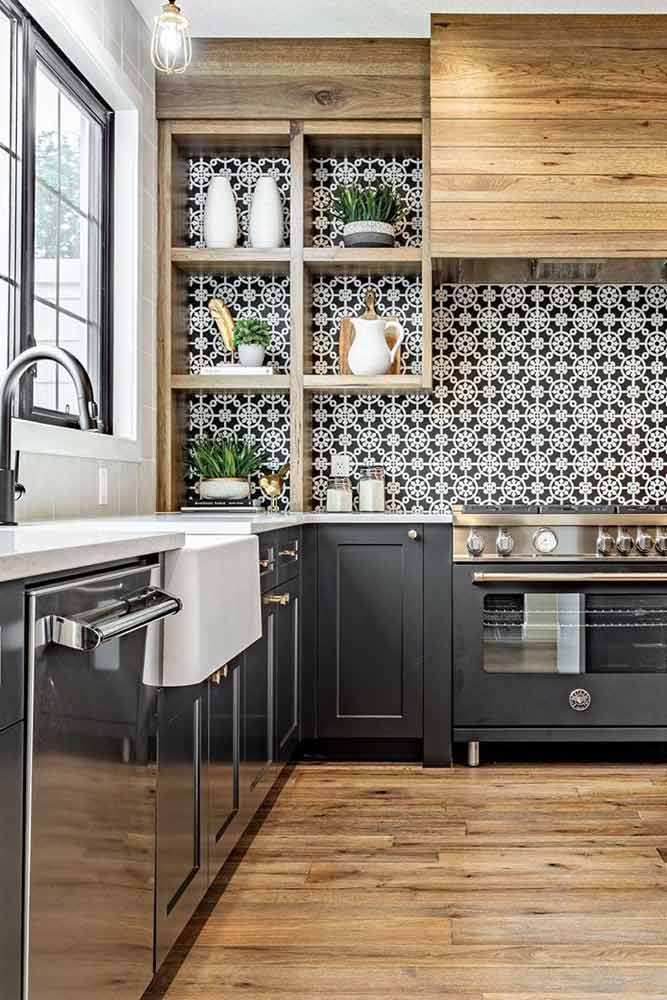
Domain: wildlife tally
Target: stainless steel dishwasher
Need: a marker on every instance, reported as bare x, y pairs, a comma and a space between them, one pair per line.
90, 795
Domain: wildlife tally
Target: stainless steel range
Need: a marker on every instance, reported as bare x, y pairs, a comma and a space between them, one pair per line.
560, 624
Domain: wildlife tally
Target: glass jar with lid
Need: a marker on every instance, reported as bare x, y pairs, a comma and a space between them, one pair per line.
371, 489
339, 495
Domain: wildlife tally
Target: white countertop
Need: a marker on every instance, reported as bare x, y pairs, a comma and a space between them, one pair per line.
253, 524
48, 547
31, 550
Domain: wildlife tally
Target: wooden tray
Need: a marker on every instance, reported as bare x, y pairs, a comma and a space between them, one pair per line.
345, 343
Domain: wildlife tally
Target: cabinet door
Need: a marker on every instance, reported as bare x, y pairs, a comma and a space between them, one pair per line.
286, 673
256, 715
222, 770
11, 653
181, 874
11, 860
370, 631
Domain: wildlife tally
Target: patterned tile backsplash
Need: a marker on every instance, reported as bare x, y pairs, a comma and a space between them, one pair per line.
243, 173
543, 393
263, 419
404, 173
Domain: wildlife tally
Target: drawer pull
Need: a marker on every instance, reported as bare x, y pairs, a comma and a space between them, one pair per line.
265, 564
288, 553
281, 599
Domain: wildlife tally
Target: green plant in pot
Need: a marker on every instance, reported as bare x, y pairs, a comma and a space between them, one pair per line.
252, 337
369, 214
224, 466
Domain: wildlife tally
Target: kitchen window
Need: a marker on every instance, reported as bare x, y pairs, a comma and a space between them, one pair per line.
56, 259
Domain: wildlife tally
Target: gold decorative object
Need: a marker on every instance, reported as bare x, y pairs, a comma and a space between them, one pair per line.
224, 321
272, 485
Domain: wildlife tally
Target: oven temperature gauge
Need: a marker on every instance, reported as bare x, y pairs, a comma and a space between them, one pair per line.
545, 541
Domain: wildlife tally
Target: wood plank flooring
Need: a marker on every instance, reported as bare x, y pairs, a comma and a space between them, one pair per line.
379, 881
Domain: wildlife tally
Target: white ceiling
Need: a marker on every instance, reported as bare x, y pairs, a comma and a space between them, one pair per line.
362, 18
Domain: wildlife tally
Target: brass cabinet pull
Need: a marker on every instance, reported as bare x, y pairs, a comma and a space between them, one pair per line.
413, 535
265, 563
220, 675
281, 599
291, 553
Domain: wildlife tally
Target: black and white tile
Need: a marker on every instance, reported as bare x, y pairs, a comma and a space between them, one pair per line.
261, 418
401, 172
243, 174
336, 296
543, 393
253, 296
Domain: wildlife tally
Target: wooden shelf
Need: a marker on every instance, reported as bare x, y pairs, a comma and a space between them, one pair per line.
240, 259
231, 383
365, 383
352, 259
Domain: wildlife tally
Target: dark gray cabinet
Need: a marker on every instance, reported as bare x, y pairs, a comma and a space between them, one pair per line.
370, 625
256, 747
181, 814
286, 671
11, 859
11, 653
221, 774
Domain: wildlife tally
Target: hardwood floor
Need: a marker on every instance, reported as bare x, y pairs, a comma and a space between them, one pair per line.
380, 881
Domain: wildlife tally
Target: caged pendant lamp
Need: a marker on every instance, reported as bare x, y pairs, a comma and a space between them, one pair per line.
171, 49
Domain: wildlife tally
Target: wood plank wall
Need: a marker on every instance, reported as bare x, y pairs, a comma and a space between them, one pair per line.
299, 78
549, 136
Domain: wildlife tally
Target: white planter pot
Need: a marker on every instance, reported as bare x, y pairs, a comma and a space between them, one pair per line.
265, 222
221, 224
224, 489
251, 355
369, 234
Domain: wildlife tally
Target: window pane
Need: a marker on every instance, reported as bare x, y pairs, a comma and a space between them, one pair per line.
5, 212
73, 336
44, 385
47, 213
73, 153
46, 130
73, 262
5, 292
5, 79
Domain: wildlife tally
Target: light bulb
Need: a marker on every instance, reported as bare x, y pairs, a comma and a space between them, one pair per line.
171, 50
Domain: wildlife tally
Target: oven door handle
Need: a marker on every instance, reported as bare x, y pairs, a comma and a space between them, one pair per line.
569, 578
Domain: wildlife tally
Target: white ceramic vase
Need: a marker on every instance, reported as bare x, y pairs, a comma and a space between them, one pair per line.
251, 355
265, 222
221, 224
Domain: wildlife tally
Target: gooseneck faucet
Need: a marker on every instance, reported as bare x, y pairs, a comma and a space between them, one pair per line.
8, 386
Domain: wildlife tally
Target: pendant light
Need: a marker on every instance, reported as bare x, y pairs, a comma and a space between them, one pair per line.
171, 50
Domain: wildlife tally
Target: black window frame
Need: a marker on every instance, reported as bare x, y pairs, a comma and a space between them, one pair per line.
33, 46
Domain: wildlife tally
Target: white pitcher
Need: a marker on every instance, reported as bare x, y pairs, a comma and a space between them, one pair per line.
370, 353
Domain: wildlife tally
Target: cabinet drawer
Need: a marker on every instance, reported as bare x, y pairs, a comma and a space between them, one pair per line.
268, 555
288, 554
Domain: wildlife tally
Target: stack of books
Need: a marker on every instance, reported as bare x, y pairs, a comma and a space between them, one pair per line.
238, 370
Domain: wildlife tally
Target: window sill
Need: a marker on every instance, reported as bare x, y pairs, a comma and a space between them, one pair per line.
47, 439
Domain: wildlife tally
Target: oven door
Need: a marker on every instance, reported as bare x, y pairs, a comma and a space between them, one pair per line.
556, 646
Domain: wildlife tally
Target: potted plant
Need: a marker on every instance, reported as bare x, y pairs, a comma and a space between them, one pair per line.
252, 337
225, 466
369, 214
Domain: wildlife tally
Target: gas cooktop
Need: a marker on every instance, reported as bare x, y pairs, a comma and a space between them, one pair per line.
555, 532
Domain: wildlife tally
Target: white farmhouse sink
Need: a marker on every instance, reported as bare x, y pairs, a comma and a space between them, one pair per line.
217, 578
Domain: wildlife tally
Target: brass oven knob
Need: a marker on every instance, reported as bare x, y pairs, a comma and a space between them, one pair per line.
605, 543
624, 543
643, 542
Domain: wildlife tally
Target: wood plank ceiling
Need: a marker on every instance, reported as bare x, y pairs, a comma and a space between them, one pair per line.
549, 136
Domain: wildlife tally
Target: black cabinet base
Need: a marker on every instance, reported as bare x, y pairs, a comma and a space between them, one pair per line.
562, 734
390, 750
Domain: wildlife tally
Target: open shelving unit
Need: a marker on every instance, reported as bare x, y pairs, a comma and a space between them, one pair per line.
310, 261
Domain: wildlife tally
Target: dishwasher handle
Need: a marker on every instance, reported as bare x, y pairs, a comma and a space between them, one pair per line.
90, 629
